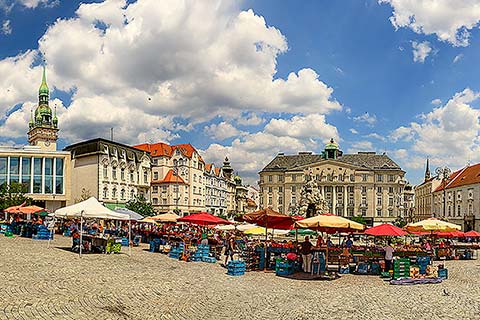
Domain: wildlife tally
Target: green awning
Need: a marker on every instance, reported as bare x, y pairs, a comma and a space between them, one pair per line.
113, 206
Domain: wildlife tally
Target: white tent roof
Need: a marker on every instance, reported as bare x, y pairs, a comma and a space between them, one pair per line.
132, 215
89, 208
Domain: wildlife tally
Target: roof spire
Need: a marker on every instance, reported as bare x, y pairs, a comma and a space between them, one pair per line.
427, 171
43, 90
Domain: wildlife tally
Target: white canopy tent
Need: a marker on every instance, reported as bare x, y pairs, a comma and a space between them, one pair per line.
90, 208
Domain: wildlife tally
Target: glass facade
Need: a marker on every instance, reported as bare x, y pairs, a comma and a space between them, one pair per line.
37, 175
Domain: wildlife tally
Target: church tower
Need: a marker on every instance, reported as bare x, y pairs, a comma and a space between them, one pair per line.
427, 171
43, 128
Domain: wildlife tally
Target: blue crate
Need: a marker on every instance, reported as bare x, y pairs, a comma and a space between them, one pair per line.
236, 263
283, 272
443, 273
124, 242
236, 273
281, 264
209, 259
344, 270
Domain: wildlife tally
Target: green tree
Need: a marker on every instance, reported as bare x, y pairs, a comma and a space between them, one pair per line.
140, 205
13, 194
359, 219
400, 222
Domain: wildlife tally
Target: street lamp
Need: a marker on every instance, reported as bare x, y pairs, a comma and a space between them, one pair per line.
444, 175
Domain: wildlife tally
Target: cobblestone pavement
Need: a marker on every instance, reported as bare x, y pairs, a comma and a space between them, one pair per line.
50, 283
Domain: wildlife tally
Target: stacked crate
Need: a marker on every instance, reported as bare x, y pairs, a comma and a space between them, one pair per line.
284, 267
124, 242
422, 263
201, 252
42, 233
177, 251
236, 268
401, 268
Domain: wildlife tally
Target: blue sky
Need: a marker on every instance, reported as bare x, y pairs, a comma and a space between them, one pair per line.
251, 78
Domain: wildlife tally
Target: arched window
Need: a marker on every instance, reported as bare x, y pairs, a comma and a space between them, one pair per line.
114, 193
132, 194
155, 201
122, 173
105, 192
122, 194
105, 171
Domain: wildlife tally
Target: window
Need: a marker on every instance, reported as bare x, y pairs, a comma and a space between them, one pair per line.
339, 189
270, 189
175, 188
164, 201
350, 212
26, 174
105, 171
15, 169
390, 189
164, 189
391, 178
132, 177
340, 177
280, 178
329, 177
122, 194
350, 189
132, 194
294, 200
294, 177
364, 189
364, 177
59, 176
379, 201
122, 174
3, 170
270, 200
364, 212
390, 212
379, 178
458, 211
352, 178
155, 176
390, 201
145, 176
294, 189
280, 189
379, 189
280, 200
379, 212
155, 201
37, 175
194, 177
155, 189
449, 211
48, 175
105, 192
270, 178
114, 173
114, 193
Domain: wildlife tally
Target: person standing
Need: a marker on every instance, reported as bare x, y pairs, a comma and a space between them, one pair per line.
388, 256
306, 251
230, 247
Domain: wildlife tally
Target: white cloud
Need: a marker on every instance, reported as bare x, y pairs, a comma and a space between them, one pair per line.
222, 131
360, 146
448, 134
450, 21
164, 60
6, 27
458, 57
250, 119
421, 50
370, 120
312, 126
352, 130
436, 102
31, 4
375, 136
161, 62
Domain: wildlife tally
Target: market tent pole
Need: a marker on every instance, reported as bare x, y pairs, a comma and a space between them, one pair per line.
266, 243
129, 238
81, 234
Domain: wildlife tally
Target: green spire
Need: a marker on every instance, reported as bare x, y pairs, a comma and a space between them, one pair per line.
55, 119
43, 90
31, 123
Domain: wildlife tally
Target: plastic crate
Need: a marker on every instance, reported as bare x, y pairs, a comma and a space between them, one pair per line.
443, 273
283, 271
236, 273
209, 259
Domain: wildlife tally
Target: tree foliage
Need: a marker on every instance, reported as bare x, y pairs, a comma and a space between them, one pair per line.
140, 205
13, 194
400, 222
359, 219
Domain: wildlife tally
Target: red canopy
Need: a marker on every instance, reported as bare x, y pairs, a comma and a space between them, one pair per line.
203, 218
385, 229
14, 209
472, 234
455, 234
270, 219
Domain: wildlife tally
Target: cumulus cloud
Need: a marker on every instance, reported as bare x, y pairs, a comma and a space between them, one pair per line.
352, 130
222, 131
458, 57
421, 50
311, 126
375, 135
448, 133
436, 102
450, 21
360, 146
366, 118
31, 4
161, 63
6, 27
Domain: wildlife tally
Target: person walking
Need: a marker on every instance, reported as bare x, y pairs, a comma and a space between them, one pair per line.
388, 256
306, 251
230, 246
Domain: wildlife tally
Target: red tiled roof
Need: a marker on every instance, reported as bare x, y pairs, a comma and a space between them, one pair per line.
163, 149
466, 176
208, 167
217, 172
170, 177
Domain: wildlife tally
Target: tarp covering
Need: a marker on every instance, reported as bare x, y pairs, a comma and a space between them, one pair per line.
203, 218
89, 208
270, 219
385, 229
131, 214
329, 223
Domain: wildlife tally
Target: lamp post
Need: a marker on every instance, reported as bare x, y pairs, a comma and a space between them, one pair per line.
444, 175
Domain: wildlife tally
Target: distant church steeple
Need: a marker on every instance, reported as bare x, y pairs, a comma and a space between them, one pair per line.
43, 127
427, 171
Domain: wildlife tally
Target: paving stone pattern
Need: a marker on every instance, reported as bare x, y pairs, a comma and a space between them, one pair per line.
51, 283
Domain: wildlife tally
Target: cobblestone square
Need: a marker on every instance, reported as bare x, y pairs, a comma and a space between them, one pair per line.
52, 283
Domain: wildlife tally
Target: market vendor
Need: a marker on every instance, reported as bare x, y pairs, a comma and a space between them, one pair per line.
388, 256
306, 251
319, 242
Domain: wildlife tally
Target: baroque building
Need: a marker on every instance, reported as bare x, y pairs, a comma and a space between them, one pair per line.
43, 171
458, 200
110, 171
424, 196
364, 184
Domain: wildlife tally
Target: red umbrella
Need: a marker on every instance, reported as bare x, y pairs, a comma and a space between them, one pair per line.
14, 209
454, 234
203, 218
269, 218
385, 229
472, 234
